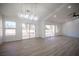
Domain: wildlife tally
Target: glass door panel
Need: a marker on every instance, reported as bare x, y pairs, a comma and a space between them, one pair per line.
32, 31
50, 30
25, 31
28, 31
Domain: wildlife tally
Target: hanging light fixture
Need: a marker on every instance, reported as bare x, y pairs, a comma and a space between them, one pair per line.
36, 18
28, 14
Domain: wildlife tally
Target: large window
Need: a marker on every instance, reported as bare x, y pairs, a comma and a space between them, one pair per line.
10, 28
50, 30
10, 24
28, 31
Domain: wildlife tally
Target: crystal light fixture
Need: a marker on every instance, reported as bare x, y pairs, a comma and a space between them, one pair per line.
28, 15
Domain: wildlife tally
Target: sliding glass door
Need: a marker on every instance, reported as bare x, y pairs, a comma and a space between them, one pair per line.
25, 31
28, 31
50, 30
32, 30
1, 31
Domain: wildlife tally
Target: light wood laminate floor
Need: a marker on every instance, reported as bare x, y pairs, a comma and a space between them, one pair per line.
51, 46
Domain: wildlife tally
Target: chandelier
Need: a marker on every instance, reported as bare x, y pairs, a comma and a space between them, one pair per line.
28, 14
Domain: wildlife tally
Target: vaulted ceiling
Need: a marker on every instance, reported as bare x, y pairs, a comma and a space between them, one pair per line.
54, 12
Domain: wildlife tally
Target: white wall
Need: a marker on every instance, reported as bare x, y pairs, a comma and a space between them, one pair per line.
0, 29
71, 28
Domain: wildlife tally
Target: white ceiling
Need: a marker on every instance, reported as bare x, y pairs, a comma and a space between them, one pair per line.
45, 11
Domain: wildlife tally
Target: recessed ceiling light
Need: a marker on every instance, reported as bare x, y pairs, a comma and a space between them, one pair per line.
55, 16
69, 7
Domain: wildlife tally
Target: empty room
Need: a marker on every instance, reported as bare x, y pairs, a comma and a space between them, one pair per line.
39, 29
